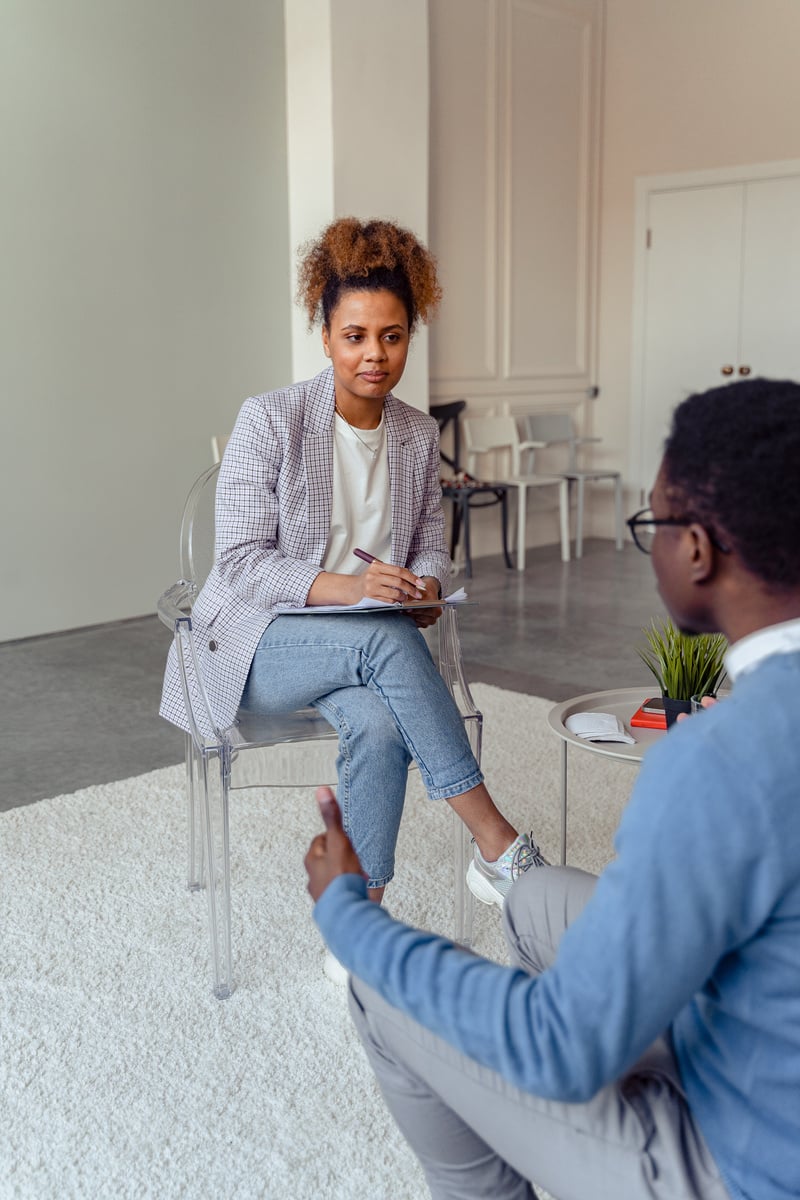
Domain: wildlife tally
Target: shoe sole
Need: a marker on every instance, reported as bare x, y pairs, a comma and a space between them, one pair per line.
334, 970
481, 888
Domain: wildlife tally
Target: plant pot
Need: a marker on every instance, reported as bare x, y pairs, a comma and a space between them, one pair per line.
673, 707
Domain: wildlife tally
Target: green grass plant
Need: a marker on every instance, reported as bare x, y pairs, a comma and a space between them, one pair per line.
684, 664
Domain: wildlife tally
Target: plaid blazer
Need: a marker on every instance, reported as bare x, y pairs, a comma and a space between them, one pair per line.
273, 511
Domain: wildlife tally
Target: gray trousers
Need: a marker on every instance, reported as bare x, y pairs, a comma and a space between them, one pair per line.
477, 1136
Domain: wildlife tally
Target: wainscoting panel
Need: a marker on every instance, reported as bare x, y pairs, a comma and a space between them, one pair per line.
464, 224
515, 110
547, 191
514, 141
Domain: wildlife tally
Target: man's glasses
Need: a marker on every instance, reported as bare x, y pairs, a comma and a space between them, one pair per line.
643, 526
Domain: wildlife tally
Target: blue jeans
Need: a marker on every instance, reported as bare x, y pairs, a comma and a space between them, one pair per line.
373, 679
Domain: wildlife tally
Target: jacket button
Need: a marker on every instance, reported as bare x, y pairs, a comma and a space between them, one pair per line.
212, 645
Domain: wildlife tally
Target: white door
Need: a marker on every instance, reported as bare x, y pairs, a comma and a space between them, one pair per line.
691, 304
720, 296
770, 337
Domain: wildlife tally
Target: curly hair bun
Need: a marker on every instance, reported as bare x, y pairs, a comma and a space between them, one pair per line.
353, 255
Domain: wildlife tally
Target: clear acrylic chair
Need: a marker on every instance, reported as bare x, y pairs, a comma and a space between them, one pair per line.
256, 751
485, 435
546, 429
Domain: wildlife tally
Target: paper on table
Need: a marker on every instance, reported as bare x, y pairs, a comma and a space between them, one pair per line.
598, 727
368, 605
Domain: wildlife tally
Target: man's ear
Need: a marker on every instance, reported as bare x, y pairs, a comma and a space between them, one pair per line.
702, 554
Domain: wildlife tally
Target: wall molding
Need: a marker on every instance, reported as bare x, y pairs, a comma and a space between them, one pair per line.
514, 366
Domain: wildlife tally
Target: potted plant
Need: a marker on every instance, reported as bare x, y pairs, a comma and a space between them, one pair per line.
684, 664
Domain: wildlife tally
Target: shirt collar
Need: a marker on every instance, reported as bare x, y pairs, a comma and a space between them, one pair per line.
749, 651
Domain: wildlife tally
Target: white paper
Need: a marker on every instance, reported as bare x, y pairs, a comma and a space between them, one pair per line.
366, 604
598, 727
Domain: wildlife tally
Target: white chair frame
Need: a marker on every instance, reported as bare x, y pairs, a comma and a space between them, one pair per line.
543, 430
484, 435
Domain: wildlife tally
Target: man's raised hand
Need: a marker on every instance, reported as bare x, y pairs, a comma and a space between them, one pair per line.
331, 853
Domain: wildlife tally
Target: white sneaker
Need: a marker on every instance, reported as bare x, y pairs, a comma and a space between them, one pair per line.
334, 970
491, 882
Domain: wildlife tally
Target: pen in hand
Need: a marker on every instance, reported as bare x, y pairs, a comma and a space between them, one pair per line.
370, 558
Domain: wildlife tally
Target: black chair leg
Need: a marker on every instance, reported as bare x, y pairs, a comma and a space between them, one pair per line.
460, 527
467, 555
504, 523
456, 527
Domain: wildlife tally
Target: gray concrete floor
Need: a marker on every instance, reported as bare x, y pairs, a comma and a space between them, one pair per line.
81, 707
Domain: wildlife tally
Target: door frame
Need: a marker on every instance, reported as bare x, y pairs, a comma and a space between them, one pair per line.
645, 187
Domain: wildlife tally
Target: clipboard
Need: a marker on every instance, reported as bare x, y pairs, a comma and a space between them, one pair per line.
372, 606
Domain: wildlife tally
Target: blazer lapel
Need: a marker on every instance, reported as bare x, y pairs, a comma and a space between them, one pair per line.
318, 461
401, 477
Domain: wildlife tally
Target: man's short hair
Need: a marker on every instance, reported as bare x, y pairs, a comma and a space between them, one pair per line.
732, 462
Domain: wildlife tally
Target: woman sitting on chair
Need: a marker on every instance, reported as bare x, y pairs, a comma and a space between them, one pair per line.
311, 473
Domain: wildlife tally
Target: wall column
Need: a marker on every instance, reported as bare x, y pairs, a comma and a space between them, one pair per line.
357, 135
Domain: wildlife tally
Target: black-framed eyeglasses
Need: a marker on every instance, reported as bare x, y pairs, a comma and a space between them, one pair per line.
643, 526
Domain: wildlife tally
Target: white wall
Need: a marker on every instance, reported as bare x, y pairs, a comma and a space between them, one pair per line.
381, 137
146, 264
144, 284
309, 123
689, 84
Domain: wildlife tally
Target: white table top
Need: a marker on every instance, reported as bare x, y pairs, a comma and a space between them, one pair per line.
622, 703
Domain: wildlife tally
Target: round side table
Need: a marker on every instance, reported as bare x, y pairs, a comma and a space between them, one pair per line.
623, 704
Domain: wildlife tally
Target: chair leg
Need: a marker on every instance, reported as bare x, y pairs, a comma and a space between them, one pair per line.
564, 802
522, 507
463, 900
563, 512
504, 526
619, 527
455, 528
452, 672
466, 529
581, 482
196, 857
462, 847
216, 772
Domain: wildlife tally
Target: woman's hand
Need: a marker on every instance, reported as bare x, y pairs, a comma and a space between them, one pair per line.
384, 581
424, 617
331, 853
380, 581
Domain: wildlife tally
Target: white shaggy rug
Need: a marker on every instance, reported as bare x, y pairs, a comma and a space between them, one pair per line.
122, 1077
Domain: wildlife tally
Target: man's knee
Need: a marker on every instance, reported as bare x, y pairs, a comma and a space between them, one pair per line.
376, 1023
539, 907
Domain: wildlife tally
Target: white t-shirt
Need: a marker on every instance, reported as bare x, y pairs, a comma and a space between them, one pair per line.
361, 514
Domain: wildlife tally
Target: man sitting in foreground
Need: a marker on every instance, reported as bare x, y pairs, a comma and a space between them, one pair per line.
647, 1044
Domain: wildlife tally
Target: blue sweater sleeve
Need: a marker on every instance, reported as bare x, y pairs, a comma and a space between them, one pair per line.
690, 881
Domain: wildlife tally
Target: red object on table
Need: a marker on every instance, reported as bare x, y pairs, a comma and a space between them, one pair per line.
646, 720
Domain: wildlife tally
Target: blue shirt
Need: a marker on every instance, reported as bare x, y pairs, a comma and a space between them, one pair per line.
693, 929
